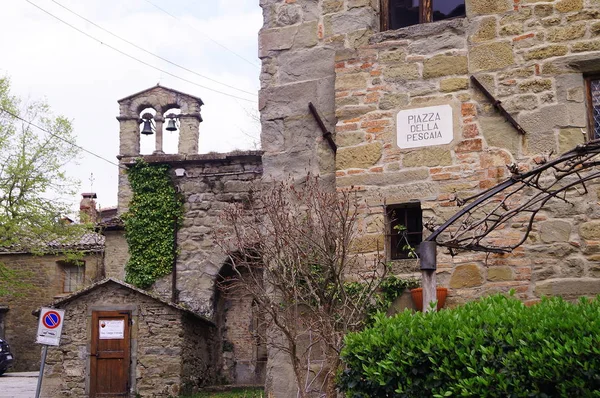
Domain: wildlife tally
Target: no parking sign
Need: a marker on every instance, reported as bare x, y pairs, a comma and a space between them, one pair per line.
50, 326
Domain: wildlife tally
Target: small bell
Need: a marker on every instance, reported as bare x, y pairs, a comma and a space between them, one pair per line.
147, 130
171, 126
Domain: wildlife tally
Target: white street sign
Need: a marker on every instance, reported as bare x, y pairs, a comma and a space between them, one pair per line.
50, 326
428, 126
111, 329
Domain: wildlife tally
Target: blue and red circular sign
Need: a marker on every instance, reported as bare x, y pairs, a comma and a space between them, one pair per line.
51, 319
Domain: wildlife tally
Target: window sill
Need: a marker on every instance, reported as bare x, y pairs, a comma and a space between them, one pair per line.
457, 26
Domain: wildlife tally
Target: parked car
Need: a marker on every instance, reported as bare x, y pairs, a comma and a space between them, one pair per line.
6, 357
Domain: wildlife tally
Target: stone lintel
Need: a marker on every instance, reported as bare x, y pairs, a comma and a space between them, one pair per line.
425, 30
248, 156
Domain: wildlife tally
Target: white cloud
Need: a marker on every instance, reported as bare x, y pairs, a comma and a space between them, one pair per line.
83, 79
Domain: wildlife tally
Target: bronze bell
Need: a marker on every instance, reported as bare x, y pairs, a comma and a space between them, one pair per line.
147, 130
171, 125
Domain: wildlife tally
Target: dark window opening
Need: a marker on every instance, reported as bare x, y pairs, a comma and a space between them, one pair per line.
593, 99
405, 230
396, 14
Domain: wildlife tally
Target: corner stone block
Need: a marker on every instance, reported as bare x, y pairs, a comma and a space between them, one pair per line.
401, 72
590, 230
555, 231
492, 56
359, 157
444, 65
454, 84
482, 7
351, 81
570, 138
539, 143
569, 5
427, 157
500, 134
466, 275
307, 64
570, 32
288, 100
545, 119
349, 21
393, 101
546, 52
487, 30
568, 288
368, 244
276, 39
499, 274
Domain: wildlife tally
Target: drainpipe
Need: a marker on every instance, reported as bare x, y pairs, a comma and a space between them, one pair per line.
174, 291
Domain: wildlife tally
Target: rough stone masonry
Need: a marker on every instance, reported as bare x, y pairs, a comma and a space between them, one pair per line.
532, 55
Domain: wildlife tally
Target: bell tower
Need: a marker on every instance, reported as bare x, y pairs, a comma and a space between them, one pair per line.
155, 112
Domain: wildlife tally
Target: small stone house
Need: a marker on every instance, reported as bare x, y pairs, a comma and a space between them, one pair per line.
208, 183
43, 278
117, 339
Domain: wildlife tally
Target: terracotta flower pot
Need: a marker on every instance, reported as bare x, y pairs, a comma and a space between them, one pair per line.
417, 296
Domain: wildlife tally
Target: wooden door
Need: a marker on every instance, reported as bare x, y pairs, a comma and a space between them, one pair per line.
110, 354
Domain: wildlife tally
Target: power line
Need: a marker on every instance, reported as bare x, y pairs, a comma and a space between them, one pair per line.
149, 52
135, 59
204, 34
58, 137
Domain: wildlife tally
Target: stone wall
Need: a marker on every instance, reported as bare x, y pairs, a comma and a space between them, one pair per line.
199, 357
243, 338
42, 283
116, 254
297, 45
162, 338
530, 55
210, 184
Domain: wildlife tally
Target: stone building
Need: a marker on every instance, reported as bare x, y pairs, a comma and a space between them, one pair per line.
43, 278
166, 349
208, 183
367, 64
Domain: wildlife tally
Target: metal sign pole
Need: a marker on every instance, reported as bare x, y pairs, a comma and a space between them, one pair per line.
43, 364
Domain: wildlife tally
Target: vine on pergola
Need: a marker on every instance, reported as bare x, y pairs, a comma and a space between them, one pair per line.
518, 200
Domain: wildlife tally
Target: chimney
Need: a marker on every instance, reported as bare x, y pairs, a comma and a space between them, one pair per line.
87, 208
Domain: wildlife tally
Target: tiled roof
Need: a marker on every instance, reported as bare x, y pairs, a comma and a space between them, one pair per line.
89, 241
112, 223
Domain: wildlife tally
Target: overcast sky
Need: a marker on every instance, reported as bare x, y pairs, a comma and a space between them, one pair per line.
83, 79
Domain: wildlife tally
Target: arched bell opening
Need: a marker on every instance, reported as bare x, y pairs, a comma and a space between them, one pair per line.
171, 129
147, 130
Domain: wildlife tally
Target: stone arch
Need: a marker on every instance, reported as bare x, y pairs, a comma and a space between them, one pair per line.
147, 142
171, 138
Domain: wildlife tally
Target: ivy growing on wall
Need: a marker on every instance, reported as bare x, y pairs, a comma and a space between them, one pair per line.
154, 212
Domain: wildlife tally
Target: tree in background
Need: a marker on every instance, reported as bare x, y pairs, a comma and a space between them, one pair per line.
291, 250
33, 182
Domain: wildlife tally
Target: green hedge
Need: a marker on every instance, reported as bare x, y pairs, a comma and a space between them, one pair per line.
495, 347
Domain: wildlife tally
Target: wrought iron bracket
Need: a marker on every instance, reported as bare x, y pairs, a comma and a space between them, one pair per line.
498, 105
326, 133
523, 194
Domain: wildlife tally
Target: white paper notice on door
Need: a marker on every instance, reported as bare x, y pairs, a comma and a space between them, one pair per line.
111, 329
